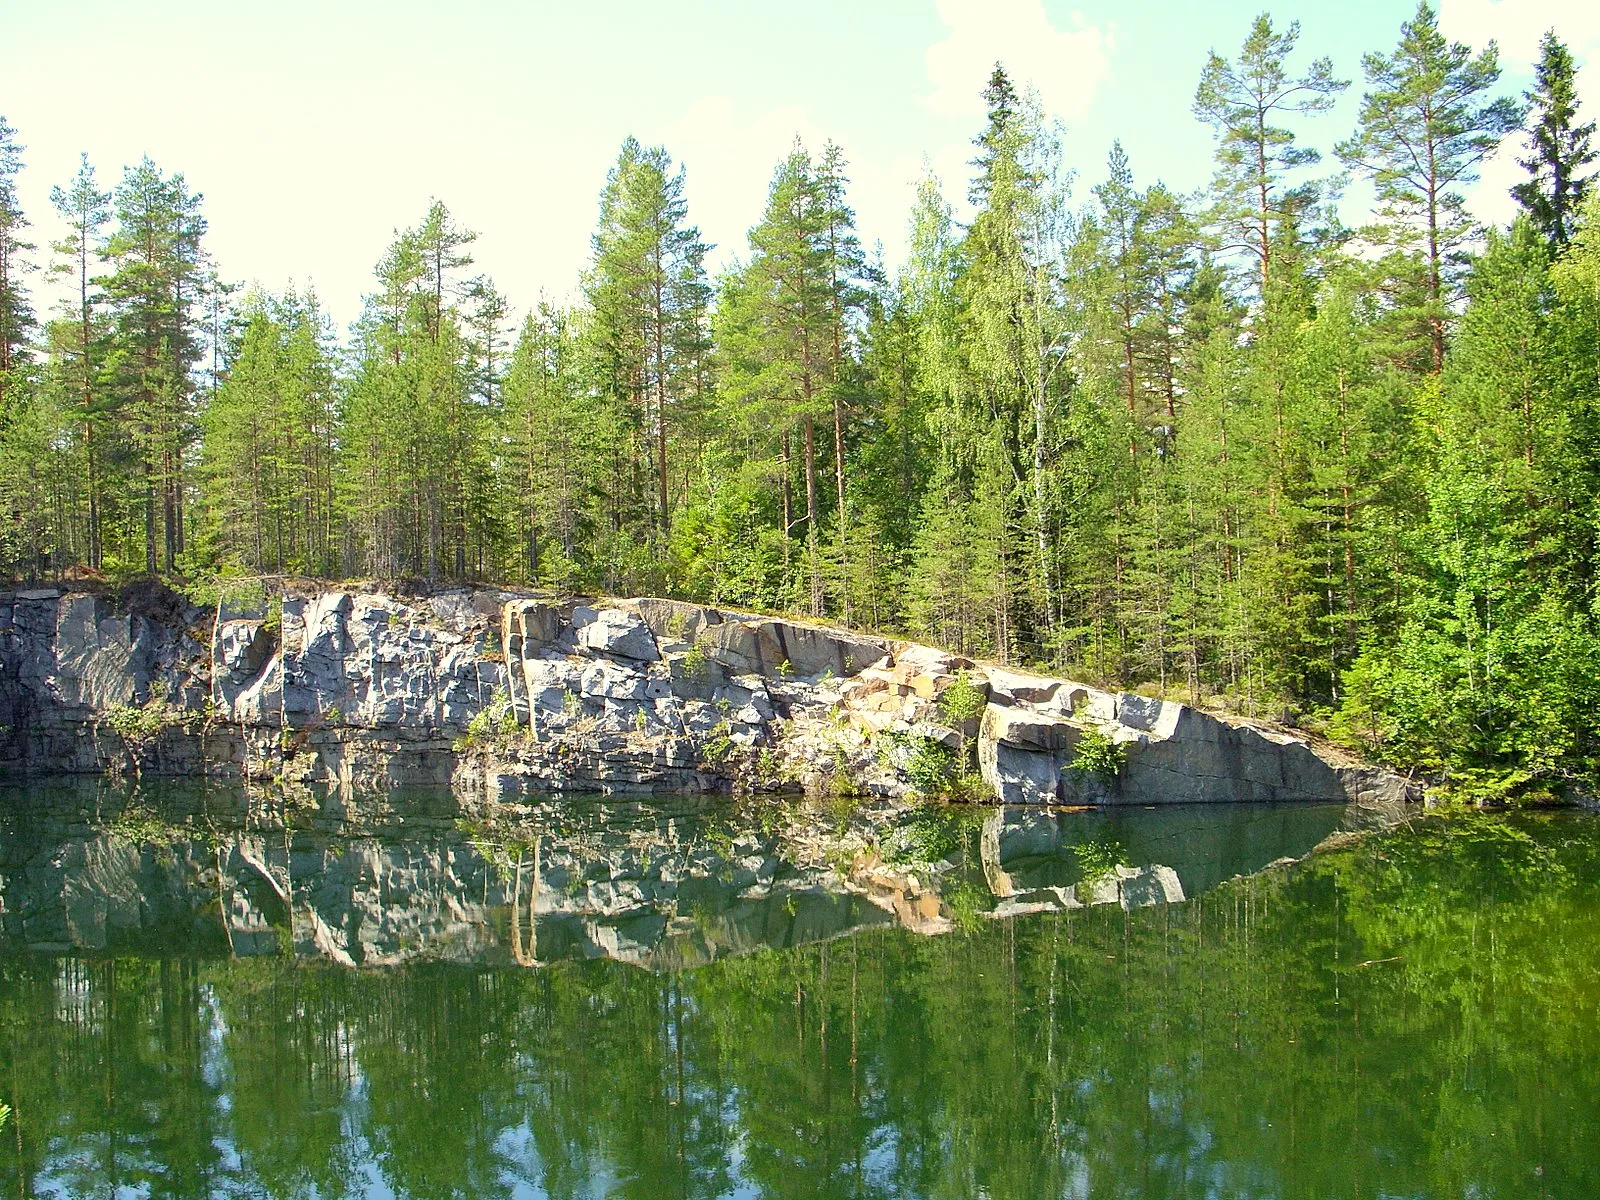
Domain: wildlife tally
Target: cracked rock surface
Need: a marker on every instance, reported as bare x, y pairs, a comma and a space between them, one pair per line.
501, 693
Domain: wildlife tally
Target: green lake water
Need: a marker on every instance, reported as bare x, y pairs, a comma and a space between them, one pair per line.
198, 999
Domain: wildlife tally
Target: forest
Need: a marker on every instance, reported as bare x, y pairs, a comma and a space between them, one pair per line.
1223, 445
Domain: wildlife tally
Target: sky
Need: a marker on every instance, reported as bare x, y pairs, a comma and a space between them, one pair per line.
316, 129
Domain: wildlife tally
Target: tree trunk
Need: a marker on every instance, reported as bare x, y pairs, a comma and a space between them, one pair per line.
814, 564
788, 501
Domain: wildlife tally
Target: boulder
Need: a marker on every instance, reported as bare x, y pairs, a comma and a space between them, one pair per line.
927, 658
731, 644
99, 661
1017, 775
614, 631
1190, 757
1026, 729
1147, 714
453, 610
246, 673
1011, 687
808, 651
1086, 703
674, 620
528, 626
612, 681
1143, 887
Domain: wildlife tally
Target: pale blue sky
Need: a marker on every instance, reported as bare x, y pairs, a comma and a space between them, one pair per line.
315, 129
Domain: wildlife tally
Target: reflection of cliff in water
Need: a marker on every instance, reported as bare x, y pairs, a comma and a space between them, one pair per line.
203, 869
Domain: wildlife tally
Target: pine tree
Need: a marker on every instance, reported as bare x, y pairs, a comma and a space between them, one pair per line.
847, 280
1561, 147
648, 292
413, 445
80, 335
1126, 277
1241, 101
486, 314
240, 464
551, 452
778, 330
1426, 125
157, 263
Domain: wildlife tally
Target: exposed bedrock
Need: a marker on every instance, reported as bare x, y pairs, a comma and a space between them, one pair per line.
501, 692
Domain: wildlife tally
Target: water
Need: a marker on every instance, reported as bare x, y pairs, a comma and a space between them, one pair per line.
198, 1001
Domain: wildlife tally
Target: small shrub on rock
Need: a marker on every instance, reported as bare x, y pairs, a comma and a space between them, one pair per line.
1098, 755
931, 766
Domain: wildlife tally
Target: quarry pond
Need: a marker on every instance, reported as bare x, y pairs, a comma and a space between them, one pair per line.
205, 992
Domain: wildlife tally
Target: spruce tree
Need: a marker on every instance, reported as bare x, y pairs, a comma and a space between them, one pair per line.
552, 455
1489, 681
16, 311
1561, 146
1016, 345
649, 295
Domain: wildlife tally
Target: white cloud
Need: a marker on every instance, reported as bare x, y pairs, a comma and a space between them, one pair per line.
1517, 25
1066, 66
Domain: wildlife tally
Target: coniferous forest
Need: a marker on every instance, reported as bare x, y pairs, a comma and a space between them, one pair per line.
1224, 445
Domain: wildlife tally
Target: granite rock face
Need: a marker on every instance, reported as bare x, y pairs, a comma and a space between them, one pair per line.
501, 693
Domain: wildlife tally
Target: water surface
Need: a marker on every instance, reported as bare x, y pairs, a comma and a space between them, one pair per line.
197, 999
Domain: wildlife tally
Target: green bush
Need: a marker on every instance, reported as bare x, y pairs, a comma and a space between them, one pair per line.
963, 700
931, 833
931, 766
495, 722
1099, 756
967, 903
695, 664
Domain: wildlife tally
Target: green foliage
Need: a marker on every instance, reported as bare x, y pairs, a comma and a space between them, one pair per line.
930, 766
1098, 755
719, 746
963, 700
695, 663
138, 723
493, 725
931, 832
967, 903
139, 822
1098, 860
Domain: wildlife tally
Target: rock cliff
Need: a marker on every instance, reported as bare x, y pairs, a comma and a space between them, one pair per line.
498, 693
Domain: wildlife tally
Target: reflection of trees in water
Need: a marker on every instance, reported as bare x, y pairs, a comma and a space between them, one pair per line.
1413, 1016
